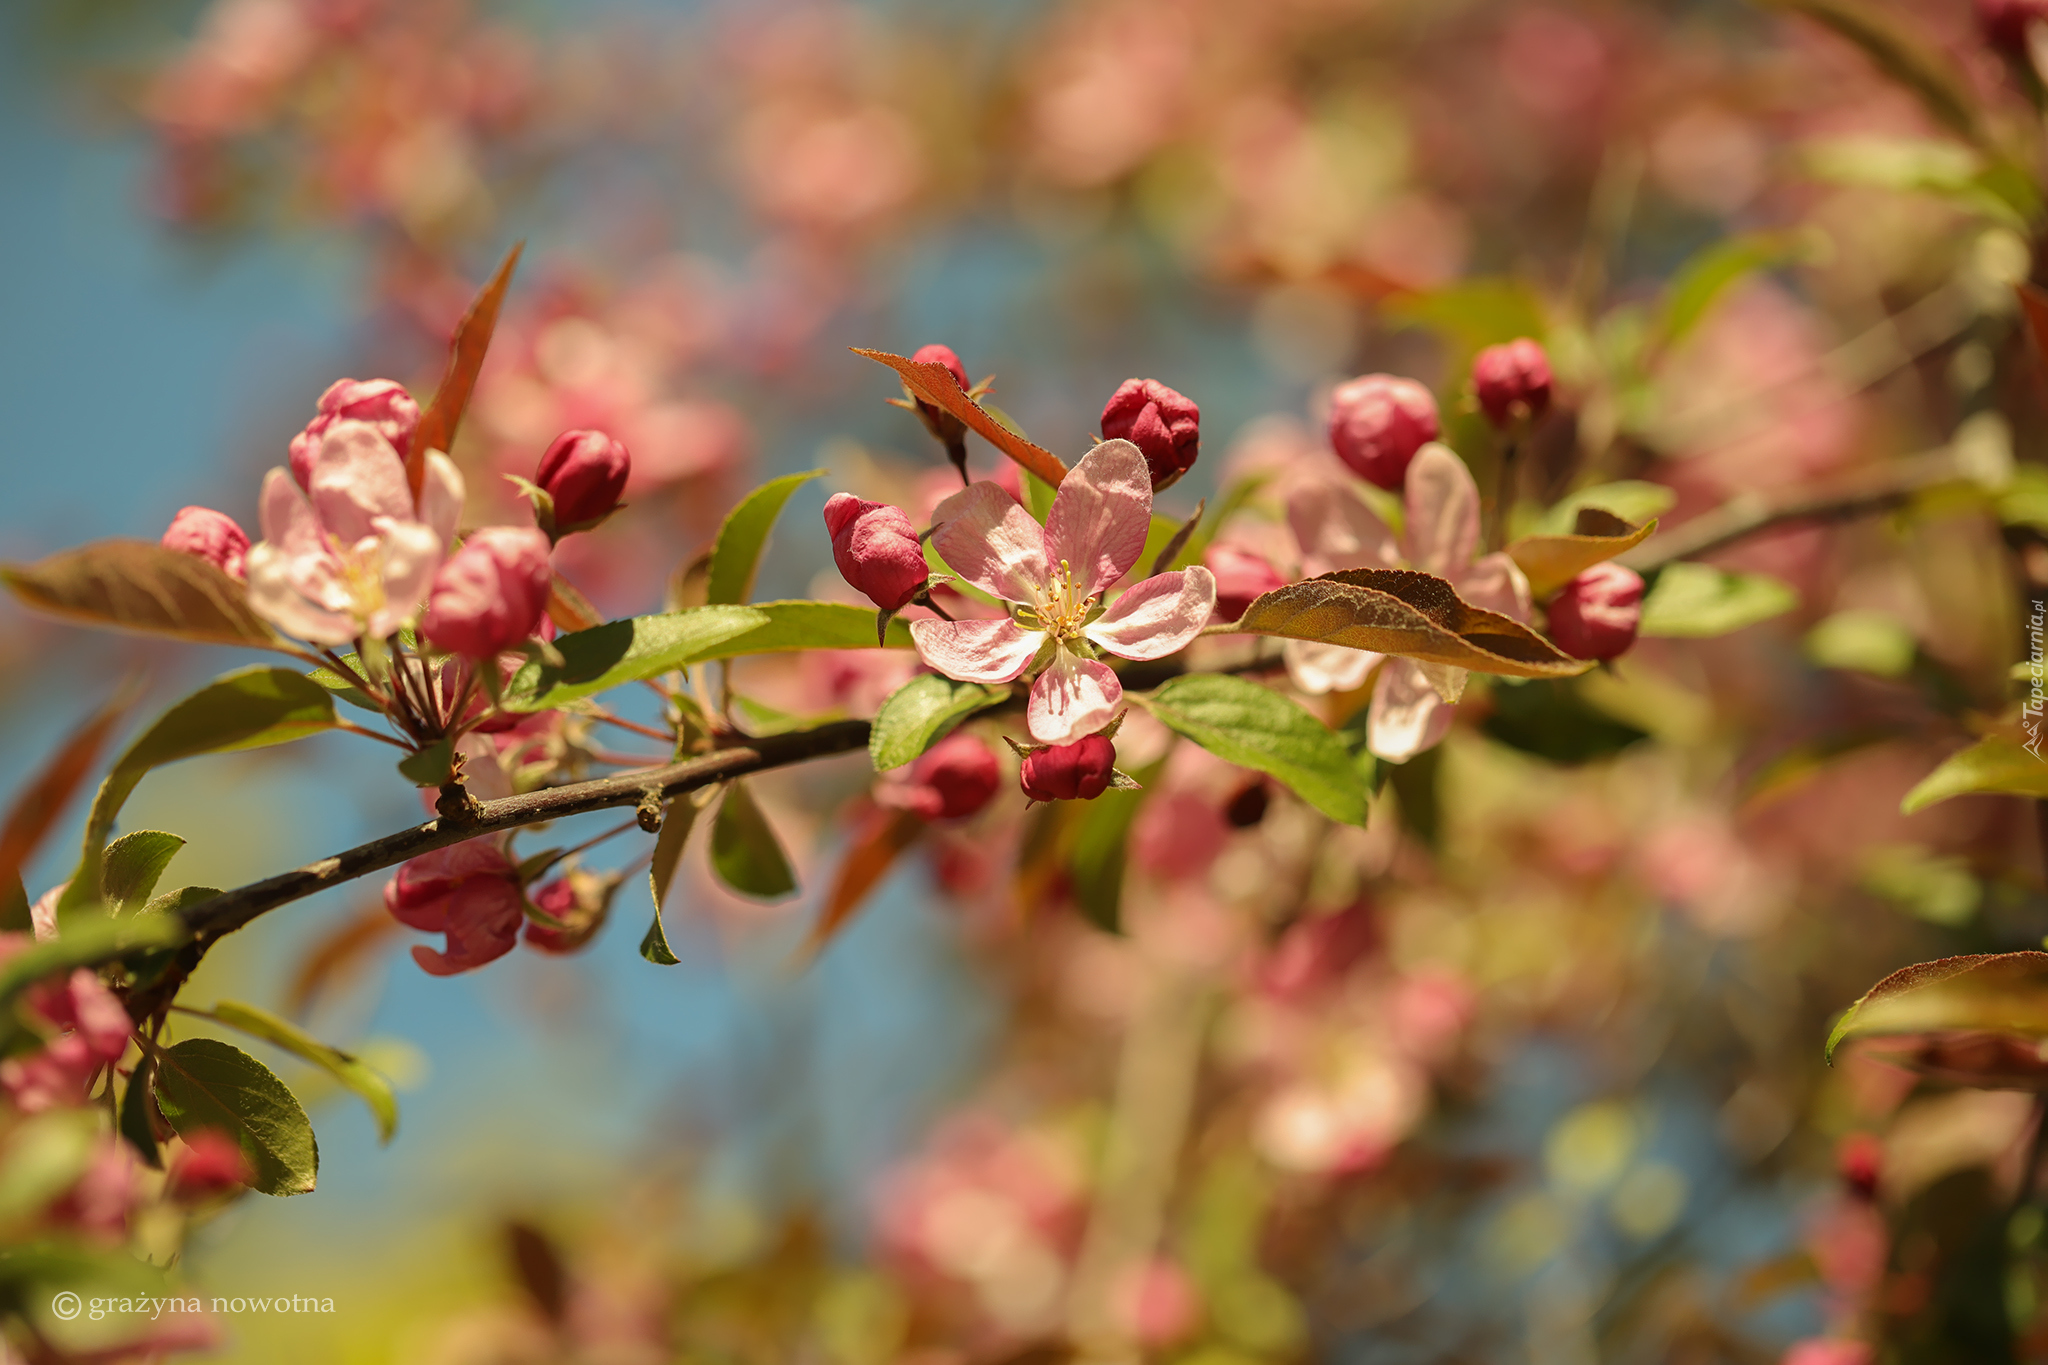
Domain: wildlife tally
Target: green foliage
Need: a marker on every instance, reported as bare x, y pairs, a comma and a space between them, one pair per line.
668, 854
1993, 764
1255, 727
1473, 313
1864, 642
744, 850
135, 1122
1698, 600
627, 651
431, 766
922, 712
1552, 720
1101, 845
788, 626
89, 942
1998, 992
351, 1071
1704, 278
1038, 496
736, 555
132, 865
204, 1083
1551, 561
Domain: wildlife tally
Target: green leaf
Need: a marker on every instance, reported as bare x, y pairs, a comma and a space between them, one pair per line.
45, 1156
661, 873
744, 850
630, 650
1473, 313
141, 586
1633, 500
1255, 727
1038, 496
1923, 166
345, 690
1101, 843
1699, 600
204, 1083
250, 708
736, 555
1553, 720
808, 625
2001, 992
135, 1120
181, 900
132, 865
346, 1068
1706, 276
1997, 764
431, 766
87, 942
922, 712
1865, 642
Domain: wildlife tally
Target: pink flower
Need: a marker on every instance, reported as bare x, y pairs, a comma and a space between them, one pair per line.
584, 472
2004, 23
1163, 424
1378, 422
212, 1165
1080, 771
1055, 575
382, 403
491, 594
94, 1030
1859, 1160
954, 779
350, 554
105, 1194
211, 536
1512, 380
1829, 1351
469, 892
1157, 1303
1597, 613
876, 549
1241, 578
1411, 703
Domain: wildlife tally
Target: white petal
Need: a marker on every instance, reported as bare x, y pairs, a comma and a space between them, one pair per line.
1442, 533
1407, 716
273, 597
1154, 618
410, 555
990, 651
1317, 668
1336, 530
1073, 698
441, 497
1101, 515
1496, 583
987, 538
356, 478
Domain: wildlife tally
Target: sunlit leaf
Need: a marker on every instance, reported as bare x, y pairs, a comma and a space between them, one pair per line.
1699, 600
922, 712
204, 1083
869, 855
136, 1122
91, 942
1997, 764
627, 651
788, 626
466, 350
744, 850
669, 844
346, 1068
1551, 561
736, 554
935, 384
1864, 641
570, 609
2005, 992
1709, 273
141, 586
131, 866
1255, 727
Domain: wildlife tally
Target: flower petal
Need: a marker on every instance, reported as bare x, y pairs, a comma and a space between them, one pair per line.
1317, 669
1443, 512
356, 478
274, 597
987, 538
1496, 583
441, 497
1101, 515
1073, 698
287, 518
1158, 616
1407, 716
410, 555
976, 651
1336, 530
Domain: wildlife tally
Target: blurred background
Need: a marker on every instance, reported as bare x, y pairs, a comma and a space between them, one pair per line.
1551, 1088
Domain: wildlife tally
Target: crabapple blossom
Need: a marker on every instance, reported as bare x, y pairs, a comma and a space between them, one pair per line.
351, 554
1054, 576
584, 473
1336, 530
1242, 577
1596, 615
952, 780
1512, 380
1378, 422
99, 1203
211, 1165
382, 403
490, 595
876, 549
211, 536
1164, 425
1080, 771
471, 893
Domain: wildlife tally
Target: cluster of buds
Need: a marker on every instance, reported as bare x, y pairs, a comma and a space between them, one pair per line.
475, 894
89, 1030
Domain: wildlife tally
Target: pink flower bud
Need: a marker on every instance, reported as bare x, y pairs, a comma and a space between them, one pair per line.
1163, 424
2004, 23
1241, 578
935, 354
945, 428
212, 1165
954, 779
1512, 380
490, 595
383, 403
1596, 615
209, 535
469, 892
1080, 771
1378, 422
876, 549
580, 900
584, 472
98, 1205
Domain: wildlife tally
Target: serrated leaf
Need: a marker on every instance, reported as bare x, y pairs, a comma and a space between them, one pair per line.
44, 798
346, 1068
626, 651
922, 712
736, 554
466, 350
1691, 600
1407, 613
2001, 992
935, 384
869, 856
661, 873
1255, 727
744, 850
251, 708
141, 586
131, 866
135, 1123
204, 1083
808, 625
1550, 561
1997, 764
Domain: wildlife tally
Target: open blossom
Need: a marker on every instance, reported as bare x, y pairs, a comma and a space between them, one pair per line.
876, 549
1337, 530
211, 536
491, 594
382, 403
469, 892
1378, 422
1164, 425
1054, 576
350, 554
1596, 615
1512, 380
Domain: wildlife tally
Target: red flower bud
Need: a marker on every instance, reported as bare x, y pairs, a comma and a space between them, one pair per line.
947, 429
2004, 23
210, 535
1378, 422
876, 549
1241, 578
584, 472
1596, 615
1511, 380
1859, 1159
954, 779
490, 595
1163, 424
1080, 771
383, 403
580, 901
212, 1165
